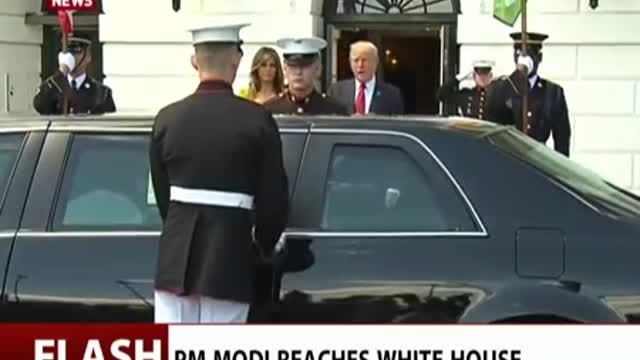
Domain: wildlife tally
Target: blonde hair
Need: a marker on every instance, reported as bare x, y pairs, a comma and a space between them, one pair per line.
258, 60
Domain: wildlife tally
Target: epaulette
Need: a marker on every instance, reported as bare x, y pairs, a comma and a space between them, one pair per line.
50, 80
549, 82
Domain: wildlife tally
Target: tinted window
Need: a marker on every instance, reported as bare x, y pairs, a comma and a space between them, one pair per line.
106, 185
385, 189
588, 184
10, 145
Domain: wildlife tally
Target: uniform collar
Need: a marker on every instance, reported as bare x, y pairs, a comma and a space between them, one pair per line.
533, 80
300, 100
79, 80
214, 86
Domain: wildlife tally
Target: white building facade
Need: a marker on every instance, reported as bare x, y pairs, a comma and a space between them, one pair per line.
145, 54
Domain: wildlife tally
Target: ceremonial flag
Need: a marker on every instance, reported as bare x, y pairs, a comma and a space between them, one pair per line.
65, 18
507, 11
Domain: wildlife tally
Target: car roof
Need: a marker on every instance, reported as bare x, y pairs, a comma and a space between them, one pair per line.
142, 121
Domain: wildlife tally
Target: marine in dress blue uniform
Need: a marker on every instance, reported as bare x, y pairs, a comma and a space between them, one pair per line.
302, 68
470, 102
221, 188
547, 113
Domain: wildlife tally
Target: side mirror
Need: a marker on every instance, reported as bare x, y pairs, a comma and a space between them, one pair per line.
391, 197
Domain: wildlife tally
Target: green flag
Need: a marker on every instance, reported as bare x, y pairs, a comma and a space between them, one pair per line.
507, 11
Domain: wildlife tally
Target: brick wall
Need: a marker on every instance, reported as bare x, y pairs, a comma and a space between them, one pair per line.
594, 55
140, 59
18, 79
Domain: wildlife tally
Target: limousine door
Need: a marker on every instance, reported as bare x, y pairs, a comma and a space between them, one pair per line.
19, 150
387, 236
87, 248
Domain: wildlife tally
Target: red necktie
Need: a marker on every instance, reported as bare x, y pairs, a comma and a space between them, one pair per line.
360, 102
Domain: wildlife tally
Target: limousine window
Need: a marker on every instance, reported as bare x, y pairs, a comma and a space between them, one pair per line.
10, 145
105, 185
591, 186
372, 188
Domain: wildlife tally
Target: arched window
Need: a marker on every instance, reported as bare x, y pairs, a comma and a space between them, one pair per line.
423, 7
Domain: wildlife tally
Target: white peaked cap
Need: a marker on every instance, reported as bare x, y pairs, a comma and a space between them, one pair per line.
221, 33
302, 46
483, 64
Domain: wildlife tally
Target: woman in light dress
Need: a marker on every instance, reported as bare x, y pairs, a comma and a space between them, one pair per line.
267, 77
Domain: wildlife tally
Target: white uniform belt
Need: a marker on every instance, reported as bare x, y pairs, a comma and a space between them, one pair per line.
211, 197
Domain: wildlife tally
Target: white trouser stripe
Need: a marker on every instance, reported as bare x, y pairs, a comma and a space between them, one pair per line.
170, 308
211, 197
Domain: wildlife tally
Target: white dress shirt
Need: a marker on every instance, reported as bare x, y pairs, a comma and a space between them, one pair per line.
79, 80
532, 81
368, 93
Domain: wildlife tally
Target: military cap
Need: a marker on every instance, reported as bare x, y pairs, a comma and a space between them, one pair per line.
221, 33
483, 65
301, 51
533, 38
76, 44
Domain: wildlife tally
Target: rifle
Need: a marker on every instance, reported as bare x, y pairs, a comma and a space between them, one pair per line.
66, 27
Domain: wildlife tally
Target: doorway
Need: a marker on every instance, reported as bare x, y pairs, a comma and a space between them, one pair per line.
409, 59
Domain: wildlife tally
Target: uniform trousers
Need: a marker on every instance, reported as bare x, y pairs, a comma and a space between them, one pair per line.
171, 308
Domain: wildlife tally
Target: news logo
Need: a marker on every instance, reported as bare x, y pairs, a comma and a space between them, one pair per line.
66, 5
97, 349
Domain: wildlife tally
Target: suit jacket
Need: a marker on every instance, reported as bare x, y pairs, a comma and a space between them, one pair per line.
387, 99
204, 249
547, 108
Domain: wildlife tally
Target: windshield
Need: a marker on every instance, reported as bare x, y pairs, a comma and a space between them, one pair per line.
590, 186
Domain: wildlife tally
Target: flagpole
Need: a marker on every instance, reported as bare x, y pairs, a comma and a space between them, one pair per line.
65, 101
525, 103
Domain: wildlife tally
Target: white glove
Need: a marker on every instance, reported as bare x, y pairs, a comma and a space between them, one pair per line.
67, 59
526, 61
282, 241
466, 76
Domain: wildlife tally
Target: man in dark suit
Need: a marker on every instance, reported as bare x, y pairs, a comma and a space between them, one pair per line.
219, 180
547, 107
364, 94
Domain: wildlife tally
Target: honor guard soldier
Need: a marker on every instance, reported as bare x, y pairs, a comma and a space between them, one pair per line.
85, 95
547, 112
220, 185
470, 102
302, 67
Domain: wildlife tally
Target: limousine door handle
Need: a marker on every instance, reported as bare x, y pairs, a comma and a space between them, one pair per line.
293, 251
292, 234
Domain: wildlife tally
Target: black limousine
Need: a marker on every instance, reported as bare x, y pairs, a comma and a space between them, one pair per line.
393, 220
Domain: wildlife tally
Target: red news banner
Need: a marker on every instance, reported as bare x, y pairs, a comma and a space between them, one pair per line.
319, 342
65, 5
